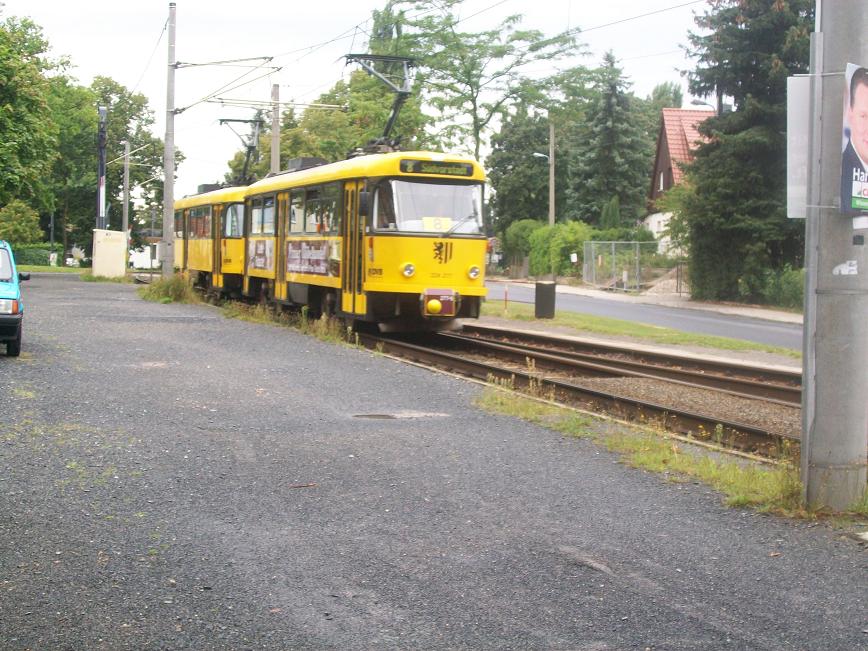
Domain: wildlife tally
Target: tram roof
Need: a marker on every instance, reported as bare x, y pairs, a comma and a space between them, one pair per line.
366, 166
223, 195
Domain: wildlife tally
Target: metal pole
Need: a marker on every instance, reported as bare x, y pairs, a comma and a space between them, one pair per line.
835, 420
102, 111
552, 187
125, 223
275, 128
169, 158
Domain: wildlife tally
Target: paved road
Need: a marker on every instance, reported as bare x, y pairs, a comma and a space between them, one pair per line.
170, 479
761, 331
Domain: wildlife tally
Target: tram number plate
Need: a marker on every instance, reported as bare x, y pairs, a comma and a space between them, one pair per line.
438, 302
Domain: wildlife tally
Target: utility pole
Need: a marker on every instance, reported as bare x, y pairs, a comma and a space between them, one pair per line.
551, 173
125, 223
102, 137
552, 186
275, 128
835, 380
169, 158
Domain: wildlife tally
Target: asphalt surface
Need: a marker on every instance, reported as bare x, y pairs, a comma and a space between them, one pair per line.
699, 321
172, 479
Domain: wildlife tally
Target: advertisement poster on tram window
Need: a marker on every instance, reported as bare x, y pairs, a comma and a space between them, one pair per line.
854, 142
308, 257
260, 254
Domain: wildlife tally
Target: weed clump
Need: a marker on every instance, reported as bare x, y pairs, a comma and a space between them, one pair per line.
176, 289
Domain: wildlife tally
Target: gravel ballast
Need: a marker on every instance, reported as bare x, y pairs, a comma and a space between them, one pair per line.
171, 479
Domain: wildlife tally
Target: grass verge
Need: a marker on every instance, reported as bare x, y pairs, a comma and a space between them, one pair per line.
774, 488
620, 328
90, 278
54, 270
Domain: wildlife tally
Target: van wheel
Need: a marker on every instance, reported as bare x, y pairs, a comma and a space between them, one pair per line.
13, 346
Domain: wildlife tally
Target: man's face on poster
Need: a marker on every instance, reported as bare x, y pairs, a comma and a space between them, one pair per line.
857, 116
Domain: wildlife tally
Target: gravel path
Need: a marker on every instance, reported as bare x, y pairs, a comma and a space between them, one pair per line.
170, 479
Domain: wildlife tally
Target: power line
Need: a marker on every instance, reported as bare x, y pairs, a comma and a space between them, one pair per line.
578, 30
151, 58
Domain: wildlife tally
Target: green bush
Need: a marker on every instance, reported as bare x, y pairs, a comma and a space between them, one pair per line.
516, 238
640, 234
31, 256
35, 254
551, 246
784, 287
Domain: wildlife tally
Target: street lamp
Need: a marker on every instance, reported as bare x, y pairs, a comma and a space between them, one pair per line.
550, 157
717, 109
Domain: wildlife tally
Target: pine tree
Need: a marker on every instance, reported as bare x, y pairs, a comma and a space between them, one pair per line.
611, 155
734, 213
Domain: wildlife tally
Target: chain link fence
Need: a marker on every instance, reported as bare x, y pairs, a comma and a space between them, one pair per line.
622, 266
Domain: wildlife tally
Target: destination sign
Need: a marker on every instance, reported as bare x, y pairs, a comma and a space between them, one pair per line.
442, 168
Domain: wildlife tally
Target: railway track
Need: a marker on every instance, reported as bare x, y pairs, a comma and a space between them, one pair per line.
781, 385
549, 368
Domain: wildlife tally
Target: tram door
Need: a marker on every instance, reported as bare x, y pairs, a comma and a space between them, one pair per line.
353, 227
217, 216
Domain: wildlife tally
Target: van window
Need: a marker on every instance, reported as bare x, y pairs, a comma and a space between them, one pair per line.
5, 266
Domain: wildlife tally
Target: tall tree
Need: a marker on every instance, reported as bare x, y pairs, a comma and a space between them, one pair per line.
610, 153
129, 119
735, 212
469, 78
73, 177
518, 177
27, 135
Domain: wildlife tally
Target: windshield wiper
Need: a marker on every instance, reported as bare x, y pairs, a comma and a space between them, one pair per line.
459, 223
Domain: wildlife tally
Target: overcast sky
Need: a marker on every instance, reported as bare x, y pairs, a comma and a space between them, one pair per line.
124, 40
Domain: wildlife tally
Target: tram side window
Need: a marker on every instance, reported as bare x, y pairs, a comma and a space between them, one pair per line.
256, 217
296, 211
331, 214
312, 210
199, 223
268, 216
233, 219
179, 223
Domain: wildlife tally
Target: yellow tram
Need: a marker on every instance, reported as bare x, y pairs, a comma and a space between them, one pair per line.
393, 238
209, 238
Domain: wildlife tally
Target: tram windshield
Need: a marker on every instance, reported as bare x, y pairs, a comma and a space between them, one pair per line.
440, 208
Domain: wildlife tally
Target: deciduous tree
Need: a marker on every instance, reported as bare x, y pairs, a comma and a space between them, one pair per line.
27, 135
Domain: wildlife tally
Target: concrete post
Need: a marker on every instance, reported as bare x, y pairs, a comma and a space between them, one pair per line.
834, 411
168, 266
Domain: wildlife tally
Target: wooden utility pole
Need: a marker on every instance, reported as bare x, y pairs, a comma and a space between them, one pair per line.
168, 259
835, 375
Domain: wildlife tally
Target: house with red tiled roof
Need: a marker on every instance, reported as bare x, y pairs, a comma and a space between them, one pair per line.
676, 141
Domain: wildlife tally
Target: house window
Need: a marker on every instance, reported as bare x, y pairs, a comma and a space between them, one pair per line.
660, 184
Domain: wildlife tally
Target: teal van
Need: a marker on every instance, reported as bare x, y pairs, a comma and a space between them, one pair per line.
11, 306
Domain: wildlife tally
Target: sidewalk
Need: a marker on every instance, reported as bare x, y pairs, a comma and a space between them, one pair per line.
674, 300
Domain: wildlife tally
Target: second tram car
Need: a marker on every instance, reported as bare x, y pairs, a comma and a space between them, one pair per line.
394, 239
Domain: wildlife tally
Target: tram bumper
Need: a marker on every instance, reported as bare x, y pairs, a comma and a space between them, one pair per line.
443, 303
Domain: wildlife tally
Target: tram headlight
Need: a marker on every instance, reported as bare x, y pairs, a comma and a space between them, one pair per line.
408, 269
474, 272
